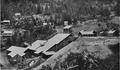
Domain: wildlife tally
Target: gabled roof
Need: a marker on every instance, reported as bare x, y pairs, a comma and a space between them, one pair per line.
37, 44
86, 32
13, 48
6, 21
111, 31
12, 54
16, 50
49, 53
17, 13
51, 42
8, 31
67, 27
45, 23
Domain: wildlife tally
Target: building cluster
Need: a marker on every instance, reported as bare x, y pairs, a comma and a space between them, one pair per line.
110, 33
26, 26
43, 48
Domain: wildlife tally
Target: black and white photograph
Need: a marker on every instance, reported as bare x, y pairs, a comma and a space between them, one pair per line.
59, 34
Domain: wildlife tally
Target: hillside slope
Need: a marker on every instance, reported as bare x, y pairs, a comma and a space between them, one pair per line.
98, 50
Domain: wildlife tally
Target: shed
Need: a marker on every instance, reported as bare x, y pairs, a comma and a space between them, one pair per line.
45, 24
8, 33
17, 14
87, 33
6, 21
65, 23
67, 28
113, 33
16, 51
13, 54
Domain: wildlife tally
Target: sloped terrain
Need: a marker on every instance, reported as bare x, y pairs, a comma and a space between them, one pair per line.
90, 52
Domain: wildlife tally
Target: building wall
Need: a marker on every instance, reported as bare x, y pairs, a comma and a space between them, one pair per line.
88, 35
80, 34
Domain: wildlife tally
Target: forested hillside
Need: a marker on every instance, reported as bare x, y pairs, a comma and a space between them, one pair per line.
79, 9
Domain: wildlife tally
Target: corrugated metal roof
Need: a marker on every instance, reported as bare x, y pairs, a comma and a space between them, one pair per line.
111, 31
16, 50
51, 42
49, 53
87, 32
65, 22
44, 23
6, 21
8, 31
21, 54
12, 54
67, 27
17, 14
37, 44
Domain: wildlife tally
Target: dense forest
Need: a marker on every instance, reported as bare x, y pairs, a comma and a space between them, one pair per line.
79, 9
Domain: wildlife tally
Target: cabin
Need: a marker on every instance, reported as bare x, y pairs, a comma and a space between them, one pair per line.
113, 33
68, 28
65, 23
14, 50
44, 24
87, 33
8, 33
16, 53
5, 22
17, 14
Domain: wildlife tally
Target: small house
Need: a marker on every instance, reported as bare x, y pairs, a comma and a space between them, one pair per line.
65, 23
5, 22
68, 28
16, 53
103, 33
87, 33
17, 14
14, 50
113, 33
8, 33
